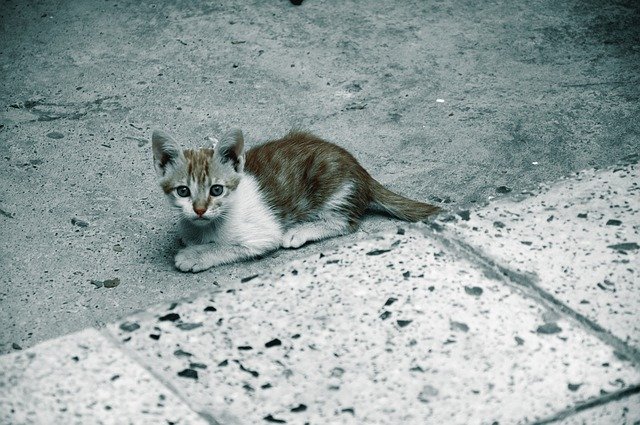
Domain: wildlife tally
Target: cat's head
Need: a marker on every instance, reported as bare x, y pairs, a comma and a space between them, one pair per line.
199, 182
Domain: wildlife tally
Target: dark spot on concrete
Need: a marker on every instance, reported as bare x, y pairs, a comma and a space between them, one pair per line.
197, 365
210, 308
111, 283
117, 248
498, 225
431, 288
549, 328
253, 373
181, 353
171, 317
223, 363
459, 326
188, 373
528, 243
403, 323
406, 274
476, 291
129, 326
464, 215
248, 278
385, 315
245, 348
79, 223
332, 261
626, 246
294, 272
295, 336
154, 336
115, 377
266, 386
349, 410
188, 326
273, 343
614, 222
15, 346
574, 387
299, 408
427, 393
55, 135
270, 418
97, 283
503, 189
400, 231
6, 214
582, 215
378, 251
519, 340
75, 358
173, 305
390, 301
549, 219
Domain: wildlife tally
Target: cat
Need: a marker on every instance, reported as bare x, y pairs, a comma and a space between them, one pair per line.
236, 205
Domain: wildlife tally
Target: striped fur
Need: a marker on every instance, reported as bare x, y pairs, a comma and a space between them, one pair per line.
283, 193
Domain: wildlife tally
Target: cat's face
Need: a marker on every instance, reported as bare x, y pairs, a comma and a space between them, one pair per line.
199, 183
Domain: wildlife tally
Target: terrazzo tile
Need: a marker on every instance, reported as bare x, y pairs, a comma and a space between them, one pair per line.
581, 238
84, 379
393, 330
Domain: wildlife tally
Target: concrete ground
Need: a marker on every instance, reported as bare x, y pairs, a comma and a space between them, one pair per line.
529, 92
524, 312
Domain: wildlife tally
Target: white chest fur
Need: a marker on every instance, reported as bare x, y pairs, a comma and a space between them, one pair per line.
247, 222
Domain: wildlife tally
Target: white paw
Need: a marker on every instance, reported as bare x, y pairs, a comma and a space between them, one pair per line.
192, 259
293, 239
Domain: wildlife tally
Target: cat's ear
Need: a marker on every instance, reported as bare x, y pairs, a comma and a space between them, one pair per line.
166, 152
230, 149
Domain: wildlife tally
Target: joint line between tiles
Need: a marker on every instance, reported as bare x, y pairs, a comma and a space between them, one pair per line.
207, 417
526, 284
581, 407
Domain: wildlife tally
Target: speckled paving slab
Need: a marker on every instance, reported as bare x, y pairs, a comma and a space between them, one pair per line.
82, 378
582, 240
389, 331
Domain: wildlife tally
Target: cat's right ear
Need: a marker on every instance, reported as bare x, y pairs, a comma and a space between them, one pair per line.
166, 152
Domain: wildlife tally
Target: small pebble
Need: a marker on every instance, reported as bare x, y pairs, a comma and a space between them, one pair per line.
129, 326
473, 290
548, 329
55, 135
503, 189
188, 373
15, 346
79, 223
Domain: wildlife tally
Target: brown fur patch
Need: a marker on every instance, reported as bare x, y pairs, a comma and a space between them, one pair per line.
198, 163
300, 172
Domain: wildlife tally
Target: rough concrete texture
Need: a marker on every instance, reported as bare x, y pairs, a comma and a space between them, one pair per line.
83, 378
579, 243
84, 83
412, 326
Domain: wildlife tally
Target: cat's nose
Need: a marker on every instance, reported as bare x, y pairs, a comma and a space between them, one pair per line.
199, 211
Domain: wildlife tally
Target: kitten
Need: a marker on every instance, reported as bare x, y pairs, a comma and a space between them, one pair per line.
235, 205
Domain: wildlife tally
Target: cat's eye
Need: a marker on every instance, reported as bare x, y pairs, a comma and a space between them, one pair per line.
183, 191
216, 190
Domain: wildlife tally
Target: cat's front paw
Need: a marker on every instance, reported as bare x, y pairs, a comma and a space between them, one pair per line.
293, 239
192, 259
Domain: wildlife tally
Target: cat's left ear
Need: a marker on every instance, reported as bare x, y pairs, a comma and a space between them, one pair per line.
230, 149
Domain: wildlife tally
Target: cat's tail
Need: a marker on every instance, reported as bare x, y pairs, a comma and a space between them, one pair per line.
398, 206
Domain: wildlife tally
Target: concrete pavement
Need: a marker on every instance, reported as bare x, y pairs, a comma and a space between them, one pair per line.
529, 92
497, 315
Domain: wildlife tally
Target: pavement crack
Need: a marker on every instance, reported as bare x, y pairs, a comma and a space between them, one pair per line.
589, 404
526, 284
